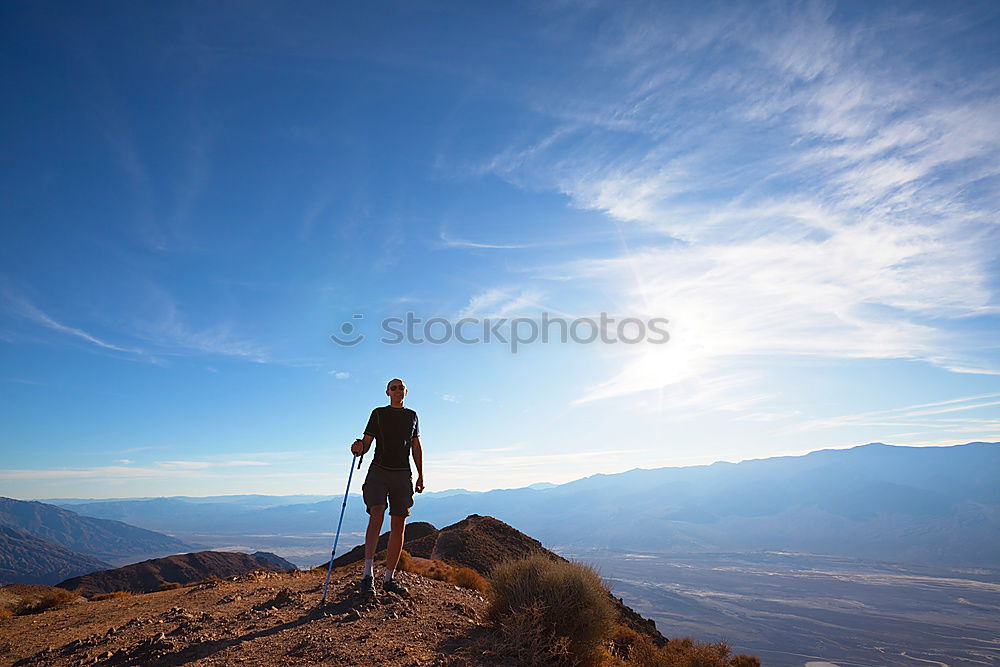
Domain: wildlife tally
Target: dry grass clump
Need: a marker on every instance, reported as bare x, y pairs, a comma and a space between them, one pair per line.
170, 586
434, 569
550, 612
51, 599
627, 647
5, 613
113, 595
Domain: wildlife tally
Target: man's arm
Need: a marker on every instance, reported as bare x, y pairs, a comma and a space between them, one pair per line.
362, 445
418, 459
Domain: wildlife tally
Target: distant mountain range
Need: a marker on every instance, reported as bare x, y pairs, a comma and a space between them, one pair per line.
930, 505
106, 540
150, 575
44, 544
27, 559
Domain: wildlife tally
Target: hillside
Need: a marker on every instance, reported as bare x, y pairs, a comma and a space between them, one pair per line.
150, 575
25, 558
111, 541
481, 543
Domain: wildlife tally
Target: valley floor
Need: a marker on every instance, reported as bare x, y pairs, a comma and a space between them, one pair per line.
791, 610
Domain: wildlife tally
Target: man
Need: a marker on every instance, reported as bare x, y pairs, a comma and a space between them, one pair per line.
396, 432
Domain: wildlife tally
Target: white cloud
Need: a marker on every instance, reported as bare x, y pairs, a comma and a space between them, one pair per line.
185, 465
451, 242
29, 311
496, 303
813, 188
935, 415
340, 375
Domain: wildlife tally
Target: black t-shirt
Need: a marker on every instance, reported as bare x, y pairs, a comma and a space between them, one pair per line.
393, 429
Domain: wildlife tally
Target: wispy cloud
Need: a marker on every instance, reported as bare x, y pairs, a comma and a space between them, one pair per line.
498, 302
126, 469
169, 335
936, 415
451, 242
29, 311
816, 194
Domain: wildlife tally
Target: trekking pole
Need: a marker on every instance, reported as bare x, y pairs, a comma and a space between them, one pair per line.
333, 552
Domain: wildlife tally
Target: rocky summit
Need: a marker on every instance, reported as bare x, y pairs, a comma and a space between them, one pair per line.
259, 618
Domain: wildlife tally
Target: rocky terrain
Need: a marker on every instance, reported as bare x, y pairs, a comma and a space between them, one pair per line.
260, 618
152, 575
480, 543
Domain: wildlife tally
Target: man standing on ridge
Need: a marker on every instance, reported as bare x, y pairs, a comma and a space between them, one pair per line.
396, 432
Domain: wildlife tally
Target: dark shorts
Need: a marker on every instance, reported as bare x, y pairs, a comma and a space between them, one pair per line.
394, 485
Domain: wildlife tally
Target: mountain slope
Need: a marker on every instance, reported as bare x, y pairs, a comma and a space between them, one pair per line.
481, 543
110, 541
25, 558
148, 576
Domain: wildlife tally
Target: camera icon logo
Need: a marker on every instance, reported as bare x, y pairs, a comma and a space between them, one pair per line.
347, 329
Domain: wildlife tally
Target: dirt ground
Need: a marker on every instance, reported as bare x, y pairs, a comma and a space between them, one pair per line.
261, 618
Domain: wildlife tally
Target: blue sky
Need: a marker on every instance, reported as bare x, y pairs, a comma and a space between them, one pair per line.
196, 196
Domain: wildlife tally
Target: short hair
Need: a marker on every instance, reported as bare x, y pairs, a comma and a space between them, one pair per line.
394, 380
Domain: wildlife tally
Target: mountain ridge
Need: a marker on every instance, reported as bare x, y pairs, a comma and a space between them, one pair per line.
104, 539
918, 505
29, 559
179, 569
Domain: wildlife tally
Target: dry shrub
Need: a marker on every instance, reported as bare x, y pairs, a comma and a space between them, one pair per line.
466, 577
557, 610
52, 599
5, 613
686, 653
621, 641
113, 595
434, 569
170, 585
523, 636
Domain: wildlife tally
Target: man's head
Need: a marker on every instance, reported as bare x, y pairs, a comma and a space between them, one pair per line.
396, 391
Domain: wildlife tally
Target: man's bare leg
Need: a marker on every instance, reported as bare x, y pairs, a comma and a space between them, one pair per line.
398, 524
376, 515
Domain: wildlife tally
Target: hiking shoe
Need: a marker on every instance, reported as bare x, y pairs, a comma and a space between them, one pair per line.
368, 588
393, 586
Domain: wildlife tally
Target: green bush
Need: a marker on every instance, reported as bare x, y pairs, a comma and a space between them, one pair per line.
548, 611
